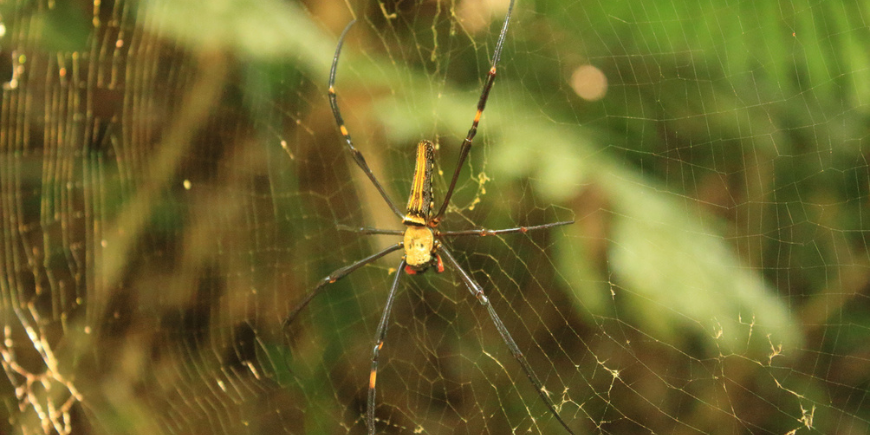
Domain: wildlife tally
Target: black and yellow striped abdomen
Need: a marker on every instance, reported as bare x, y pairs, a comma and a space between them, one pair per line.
420, 202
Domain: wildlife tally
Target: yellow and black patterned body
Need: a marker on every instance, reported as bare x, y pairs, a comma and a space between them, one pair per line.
419, 239
421, 201
422, 240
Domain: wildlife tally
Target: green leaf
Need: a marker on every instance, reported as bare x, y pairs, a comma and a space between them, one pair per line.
679, 275
264, 29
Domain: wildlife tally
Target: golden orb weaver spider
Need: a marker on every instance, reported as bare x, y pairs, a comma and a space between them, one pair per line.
422, 240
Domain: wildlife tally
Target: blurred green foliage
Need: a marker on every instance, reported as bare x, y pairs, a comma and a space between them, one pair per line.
715, 279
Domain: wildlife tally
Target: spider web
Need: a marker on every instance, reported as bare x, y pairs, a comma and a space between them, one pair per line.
172, 183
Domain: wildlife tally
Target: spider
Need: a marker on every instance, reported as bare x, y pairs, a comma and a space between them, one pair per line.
423, 242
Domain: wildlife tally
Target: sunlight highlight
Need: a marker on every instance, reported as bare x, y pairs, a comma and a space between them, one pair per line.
589, 83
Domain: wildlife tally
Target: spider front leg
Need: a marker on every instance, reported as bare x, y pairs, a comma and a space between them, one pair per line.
481, 104
477, 292
336, 113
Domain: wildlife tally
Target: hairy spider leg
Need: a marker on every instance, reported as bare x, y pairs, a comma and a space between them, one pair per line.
336, 113
335, 276
481, 104
376, 350
477, 291
483, 232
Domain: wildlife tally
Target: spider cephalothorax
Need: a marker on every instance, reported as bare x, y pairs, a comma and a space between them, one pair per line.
421, 250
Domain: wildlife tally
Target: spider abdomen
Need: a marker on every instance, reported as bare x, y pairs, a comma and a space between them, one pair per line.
420, 199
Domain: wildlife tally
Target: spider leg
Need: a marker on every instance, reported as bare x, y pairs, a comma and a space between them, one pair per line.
379, 343
357, 156
481, 104
485, 232
366, 231
335, 276
477, 292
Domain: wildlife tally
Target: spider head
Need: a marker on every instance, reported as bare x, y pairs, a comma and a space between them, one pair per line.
420, 247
